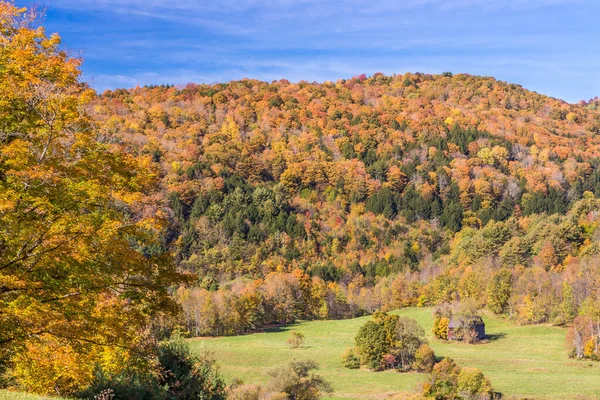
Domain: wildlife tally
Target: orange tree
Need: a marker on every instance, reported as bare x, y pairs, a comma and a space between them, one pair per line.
81, 264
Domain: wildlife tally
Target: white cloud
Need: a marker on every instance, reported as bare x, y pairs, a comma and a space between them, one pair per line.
153, 41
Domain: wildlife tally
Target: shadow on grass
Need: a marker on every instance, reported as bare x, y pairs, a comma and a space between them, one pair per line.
494, 336
265, 329
275, 328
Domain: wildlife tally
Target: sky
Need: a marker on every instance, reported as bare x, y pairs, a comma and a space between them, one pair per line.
549, 46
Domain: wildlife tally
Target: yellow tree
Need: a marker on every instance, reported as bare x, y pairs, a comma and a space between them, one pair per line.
79, 262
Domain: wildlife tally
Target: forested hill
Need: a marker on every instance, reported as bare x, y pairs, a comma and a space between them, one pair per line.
361, 178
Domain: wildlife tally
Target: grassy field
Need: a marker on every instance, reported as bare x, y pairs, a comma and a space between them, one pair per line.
6, 395
525, 361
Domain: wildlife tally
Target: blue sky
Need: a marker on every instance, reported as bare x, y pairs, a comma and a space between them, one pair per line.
550, 46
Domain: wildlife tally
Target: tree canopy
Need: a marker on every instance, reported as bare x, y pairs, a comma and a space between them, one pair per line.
80, 267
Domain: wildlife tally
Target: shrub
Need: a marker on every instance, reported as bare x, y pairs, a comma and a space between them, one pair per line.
187, 376
389, 361
408, 337
443, 380
180, 375
424, 359
448, 381
374, 339
389, 341
440, 328
436, 323
296, 381
107, 394
295, 340
245, 392
442, 314
127, 384
472, 384
350, 359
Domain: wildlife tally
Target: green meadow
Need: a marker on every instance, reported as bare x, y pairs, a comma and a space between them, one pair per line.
523, 361
7, 395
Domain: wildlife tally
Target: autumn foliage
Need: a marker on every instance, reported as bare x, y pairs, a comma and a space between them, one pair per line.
280, 201
80, 279
381, 191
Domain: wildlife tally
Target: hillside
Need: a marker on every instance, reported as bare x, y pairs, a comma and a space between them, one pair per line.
388, 190
244, 160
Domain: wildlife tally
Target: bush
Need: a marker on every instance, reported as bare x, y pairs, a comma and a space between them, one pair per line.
443, 380
295, 381
374, 339
440, 328
187, 376
128, 385
180, 375
389, 341
350, 359
424, 359
473, 385
448, 381
408, 338
389, 361
442, 314
295, 340
245, 392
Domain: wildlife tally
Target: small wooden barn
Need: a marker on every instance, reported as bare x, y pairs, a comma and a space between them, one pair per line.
457, 328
